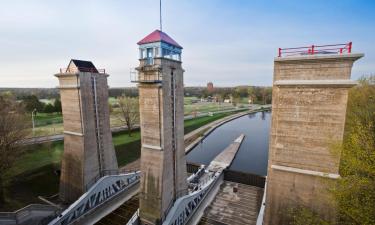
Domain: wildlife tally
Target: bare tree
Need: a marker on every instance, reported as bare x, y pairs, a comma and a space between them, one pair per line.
129, 111
14, 127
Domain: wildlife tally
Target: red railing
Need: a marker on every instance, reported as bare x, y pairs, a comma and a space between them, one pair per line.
81, 69
316, 49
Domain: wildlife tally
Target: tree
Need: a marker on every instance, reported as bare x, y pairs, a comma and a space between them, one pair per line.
129, 111
14, 126
49, 108
354, 193
57, 105
32, 102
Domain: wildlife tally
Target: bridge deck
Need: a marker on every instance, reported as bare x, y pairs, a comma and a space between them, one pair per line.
234, 208
122, 214
225, 158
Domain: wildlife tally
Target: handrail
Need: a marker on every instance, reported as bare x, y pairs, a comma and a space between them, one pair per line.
19, 215
316, 49
262, 208
108, 173
135, 219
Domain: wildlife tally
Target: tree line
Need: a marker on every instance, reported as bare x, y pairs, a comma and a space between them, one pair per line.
31, 103
353, 195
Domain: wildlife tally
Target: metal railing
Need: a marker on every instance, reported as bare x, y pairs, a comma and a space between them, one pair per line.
185, 207
144, 77
30, 212
105, 189
244, 178
316, 49
135, 219
109, 173
82, 69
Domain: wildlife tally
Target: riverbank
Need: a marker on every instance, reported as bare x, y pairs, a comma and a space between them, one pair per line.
35, 173
195, 137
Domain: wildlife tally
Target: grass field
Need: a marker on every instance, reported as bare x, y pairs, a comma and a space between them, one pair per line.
51, 123
34, 174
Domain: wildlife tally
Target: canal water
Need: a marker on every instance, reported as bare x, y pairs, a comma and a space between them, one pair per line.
253, 154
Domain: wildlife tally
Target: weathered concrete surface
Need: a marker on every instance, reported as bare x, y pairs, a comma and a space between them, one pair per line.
308, 114
163, 163
235, 204
88, 147
225, 158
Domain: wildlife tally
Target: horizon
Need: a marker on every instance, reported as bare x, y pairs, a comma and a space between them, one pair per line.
233, 49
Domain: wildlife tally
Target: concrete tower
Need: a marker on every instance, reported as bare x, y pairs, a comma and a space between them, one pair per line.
308, 114
163, 164
88, 148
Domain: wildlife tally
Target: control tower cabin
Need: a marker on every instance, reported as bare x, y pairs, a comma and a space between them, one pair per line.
163, 164
88, 148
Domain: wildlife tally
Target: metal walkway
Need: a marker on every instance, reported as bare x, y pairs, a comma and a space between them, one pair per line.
103, 191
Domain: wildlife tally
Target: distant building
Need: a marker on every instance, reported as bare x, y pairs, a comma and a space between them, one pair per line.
210, 87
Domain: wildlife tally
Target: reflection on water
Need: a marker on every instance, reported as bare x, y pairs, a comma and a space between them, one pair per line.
253, 154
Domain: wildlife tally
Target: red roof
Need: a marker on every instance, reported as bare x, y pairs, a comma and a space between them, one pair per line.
157, 36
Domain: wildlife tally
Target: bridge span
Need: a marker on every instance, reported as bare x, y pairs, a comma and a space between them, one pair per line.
110, 192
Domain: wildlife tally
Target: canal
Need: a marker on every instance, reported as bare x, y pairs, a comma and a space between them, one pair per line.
253, 154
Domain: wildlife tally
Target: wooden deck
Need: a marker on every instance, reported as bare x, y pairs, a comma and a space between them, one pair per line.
234, 208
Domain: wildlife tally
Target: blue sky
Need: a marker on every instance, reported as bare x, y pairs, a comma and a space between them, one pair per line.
227, 42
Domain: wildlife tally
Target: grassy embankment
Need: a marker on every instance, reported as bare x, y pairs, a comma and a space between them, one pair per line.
34, 174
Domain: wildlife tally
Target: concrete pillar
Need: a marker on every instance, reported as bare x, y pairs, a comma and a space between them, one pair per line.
309, 102
88, 148
163, 162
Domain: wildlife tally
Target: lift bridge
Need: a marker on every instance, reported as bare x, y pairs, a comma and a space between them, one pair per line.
102, 197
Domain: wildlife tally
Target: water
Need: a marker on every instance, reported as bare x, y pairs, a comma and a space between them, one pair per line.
253, 154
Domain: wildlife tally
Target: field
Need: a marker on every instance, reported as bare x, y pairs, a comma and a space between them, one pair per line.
35, 173
50, 124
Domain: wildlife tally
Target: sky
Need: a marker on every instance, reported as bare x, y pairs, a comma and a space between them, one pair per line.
227, 42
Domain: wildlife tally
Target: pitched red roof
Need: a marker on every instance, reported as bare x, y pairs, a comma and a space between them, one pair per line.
157, 36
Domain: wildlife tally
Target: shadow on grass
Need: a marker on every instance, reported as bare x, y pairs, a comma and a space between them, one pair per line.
25, 188
127, 153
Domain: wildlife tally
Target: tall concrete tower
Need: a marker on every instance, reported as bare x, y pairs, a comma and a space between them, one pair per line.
163, 164
308, 114
88, 148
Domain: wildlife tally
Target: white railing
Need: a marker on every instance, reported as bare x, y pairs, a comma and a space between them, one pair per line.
102, 191
262, 207
135, 219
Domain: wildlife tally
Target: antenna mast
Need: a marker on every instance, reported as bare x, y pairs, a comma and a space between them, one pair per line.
161, 25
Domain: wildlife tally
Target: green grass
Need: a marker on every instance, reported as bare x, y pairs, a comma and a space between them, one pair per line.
128, 149
193, 124
43, 119
37, 156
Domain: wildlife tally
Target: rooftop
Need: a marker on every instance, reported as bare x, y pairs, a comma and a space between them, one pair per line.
158, 36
